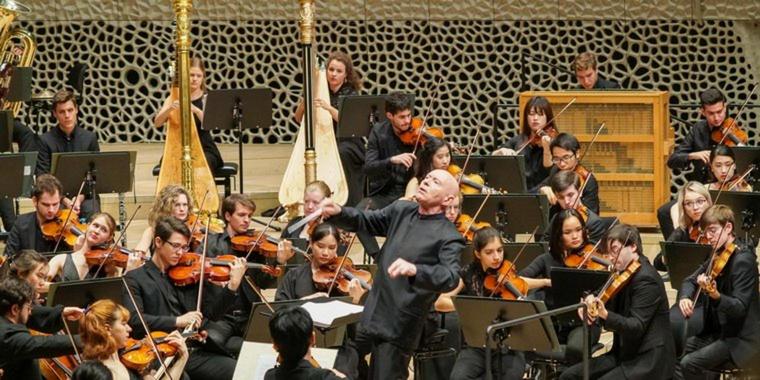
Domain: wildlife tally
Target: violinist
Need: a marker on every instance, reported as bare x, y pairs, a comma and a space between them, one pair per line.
636, 313
454, 210
18, 313
292, 331
567, 237
728, 283
723, 170
31, 267
537, 134
489, 258
105, 332
436, 154
587, 74
566, 187
166, 306
313, 194
564, 150
692, 201
27, 231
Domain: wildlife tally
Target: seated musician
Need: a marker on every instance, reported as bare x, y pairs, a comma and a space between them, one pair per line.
29, 266
586, 73
695, 148
436, 154
172, 200
105, 331
454, 210
292, 332
21, 349
299, 283
167, 306
567, 240
74, 266
723, 171
730, 336
637, 315
531, 143
489, 258
343, 81
692, 201
564, 149
27, 232
313, 194
566, 186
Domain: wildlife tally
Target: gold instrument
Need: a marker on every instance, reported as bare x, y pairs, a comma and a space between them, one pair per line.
12, 55
184, 161
315, 152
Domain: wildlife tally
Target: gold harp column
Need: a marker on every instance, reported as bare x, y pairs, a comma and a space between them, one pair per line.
306, 24
182, 10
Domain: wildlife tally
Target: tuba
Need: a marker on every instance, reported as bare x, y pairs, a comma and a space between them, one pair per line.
11, 54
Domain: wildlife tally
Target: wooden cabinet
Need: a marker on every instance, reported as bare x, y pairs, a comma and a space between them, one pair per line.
629, 156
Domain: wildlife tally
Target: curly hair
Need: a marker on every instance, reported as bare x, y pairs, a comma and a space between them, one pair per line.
99, 343
165, 202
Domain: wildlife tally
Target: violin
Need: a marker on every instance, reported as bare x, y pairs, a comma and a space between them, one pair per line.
583, 210
99, 254
505, 282
65, 225
467, 227
263, 244
587, 257
198, 225
547, 130
719, 262
696, 235
729, 133
325, 274
612, 287
469, 183
417, 133
188, 269
138, 356
737, 182
582, 172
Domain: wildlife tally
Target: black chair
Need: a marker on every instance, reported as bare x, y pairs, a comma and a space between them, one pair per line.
222, 176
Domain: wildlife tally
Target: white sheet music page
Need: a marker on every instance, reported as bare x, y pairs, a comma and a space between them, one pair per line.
324, 313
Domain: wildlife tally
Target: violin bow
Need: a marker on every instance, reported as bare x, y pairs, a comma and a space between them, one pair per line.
469, 154
709, 265
259, 293
427, 114
112, 249
345, 255
68, 218
582, 189
742, 177
263, 233
612, 275
488, 194
585, 258
512, 263
741, 109
525, 144
145, 327
71, 339
203, 273
200, 208
722, 184
593, 140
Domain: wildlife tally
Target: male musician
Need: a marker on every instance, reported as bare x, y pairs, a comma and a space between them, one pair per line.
566, 186
695, 149
637, 315
27, 231
564, 150
731, 333
419, 260
166, 306
20, 350
587, 74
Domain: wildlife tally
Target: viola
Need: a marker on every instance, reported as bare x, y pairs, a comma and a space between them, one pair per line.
252, 238
729, 133
65, 225
99, 254
188, 269
582, 172
467, 227
325, 274
138, 356
416, 133
505, 282
58, 368
587, 257
469, 183
583, 210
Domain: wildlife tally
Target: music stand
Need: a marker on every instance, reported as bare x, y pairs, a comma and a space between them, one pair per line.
746, 207
231, 109
18, 168
20, 86
359, 113
499, 172
532, 250
510, 213
6, 131
746, 156
327, 336
570, 284
682, 259
103, 172
85, 292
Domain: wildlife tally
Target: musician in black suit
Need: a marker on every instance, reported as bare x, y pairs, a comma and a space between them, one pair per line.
730, 337
637, 315
587, 74
166, 306
566, 186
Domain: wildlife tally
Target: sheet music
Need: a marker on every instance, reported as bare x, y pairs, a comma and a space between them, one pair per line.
324, 313
256, 359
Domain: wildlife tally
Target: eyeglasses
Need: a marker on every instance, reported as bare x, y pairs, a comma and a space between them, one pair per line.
178, 247
564, 159
698, 203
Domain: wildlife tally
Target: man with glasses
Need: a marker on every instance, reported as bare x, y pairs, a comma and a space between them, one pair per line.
565, 149
566, 185
168, 307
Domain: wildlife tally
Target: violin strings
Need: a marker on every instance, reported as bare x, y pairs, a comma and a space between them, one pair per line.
512, 263
68, 218
263, 233
112, 249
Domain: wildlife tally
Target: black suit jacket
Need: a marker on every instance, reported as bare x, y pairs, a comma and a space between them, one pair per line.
737, 312
55, 141
590, 196
26, 234
603, 84
638, 316
698, 139
595, 226
385, 177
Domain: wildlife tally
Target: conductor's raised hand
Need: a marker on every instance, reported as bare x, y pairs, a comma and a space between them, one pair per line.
401, 267
329, 208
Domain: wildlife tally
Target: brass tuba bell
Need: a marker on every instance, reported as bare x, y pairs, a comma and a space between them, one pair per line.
17, 48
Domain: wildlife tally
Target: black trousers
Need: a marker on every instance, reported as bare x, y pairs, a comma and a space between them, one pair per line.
389, 362
352, 151
703, 354
604, 367
471, 364
204, 365
663, 217
7, 213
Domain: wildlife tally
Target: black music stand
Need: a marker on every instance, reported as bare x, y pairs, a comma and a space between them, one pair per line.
746, 207
532, 250
359, 113
6, 131
20, 86
83, 293
682, 259
499, 172
327, 336
570, 284
746, 156
231, 109
103, 172
18, 169
510, 213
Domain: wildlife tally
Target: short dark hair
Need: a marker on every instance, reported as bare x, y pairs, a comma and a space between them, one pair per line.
722, 150
14, 291
396, 102
167, 225
711, 96
555, 235
46, 183
565, 141
291, 328
92, 370
626, 234
563, 179
229, 203
63, 96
